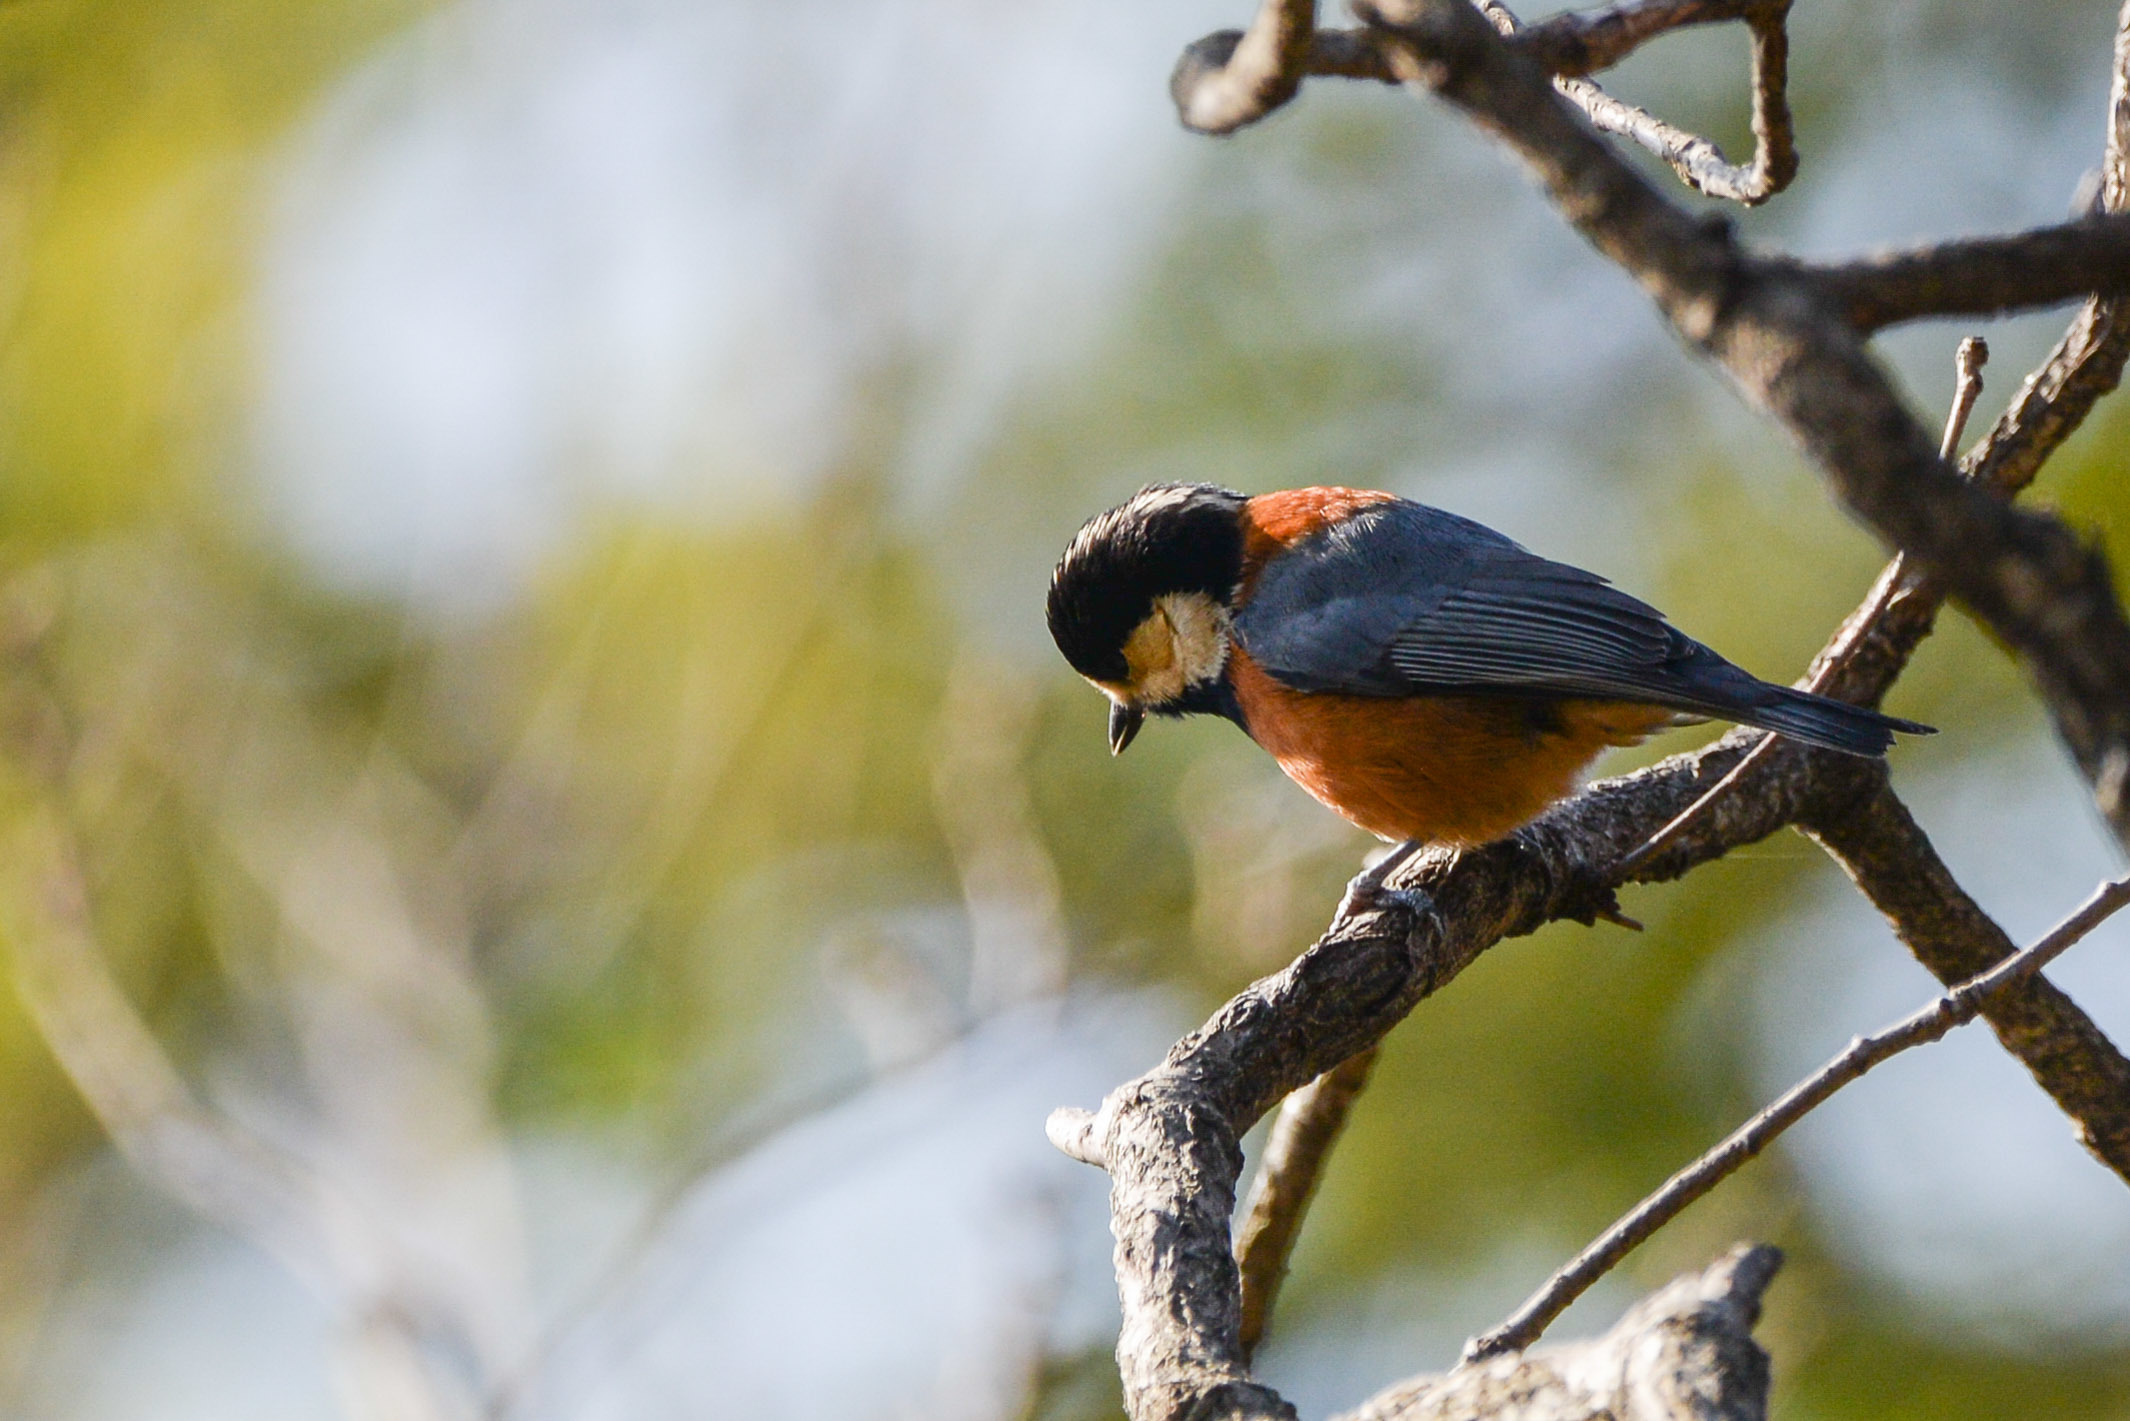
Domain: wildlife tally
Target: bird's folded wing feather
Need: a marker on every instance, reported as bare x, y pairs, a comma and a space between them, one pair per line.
1403, 599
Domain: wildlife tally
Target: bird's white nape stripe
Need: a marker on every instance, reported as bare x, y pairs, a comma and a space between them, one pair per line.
1179, 496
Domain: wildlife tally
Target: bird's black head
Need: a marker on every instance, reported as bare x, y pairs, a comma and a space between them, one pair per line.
1139, 604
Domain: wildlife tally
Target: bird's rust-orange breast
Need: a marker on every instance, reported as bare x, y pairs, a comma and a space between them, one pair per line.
1448, 769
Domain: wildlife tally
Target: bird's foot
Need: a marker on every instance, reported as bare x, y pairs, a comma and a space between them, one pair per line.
1369, 891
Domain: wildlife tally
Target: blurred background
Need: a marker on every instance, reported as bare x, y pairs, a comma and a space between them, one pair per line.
552, 872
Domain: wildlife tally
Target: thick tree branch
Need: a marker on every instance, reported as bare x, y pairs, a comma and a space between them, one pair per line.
1685, 1353
1955, 1008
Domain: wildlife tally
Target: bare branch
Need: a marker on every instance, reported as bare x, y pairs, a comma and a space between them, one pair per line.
1234, 78
2086, 364
1983, 276
1309, 1124
1881, 847
129, 1084
2088, 361
1685, 1353
1579, 42
1348, 54
1856, 630
1699, 163
1954, 1008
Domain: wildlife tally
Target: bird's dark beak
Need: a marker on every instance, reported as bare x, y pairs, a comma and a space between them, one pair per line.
1124, 723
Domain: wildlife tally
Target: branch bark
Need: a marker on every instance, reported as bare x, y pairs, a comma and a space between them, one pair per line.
1956, 1007
1579, 42
1982, 276
1234, 78
1685, 1353
1699, 163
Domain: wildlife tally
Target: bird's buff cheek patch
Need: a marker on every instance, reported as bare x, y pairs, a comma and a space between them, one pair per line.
1182, 643
1150, 652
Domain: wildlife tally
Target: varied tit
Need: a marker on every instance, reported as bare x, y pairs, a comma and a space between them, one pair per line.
1417, 672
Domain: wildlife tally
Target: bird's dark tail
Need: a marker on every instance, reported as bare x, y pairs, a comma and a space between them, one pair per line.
1816, 720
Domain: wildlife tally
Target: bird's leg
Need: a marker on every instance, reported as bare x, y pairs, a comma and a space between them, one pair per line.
1370, 889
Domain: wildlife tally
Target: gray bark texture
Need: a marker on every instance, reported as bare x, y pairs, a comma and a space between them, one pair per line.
1684, 1353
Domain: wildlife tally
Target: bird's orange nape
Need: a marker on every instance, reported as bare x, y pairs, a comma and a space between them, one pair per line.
1275, 521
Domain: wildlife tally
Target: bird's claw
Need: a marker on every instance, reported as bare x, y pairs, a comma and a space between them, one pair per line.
1376, 897
1597, 903
1370, 890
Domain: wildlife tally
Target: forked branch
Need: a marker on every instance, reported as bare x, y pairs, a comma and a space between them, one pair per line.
1955, 1008
1699, 163
1792, 337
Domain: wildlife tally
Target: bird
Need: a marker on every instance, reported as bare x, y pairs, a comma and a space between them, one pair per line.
1417, 672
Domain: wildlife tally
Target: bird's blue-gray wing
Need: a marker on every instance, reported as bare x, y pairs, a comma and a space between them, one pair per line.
1403, 599
1406, 600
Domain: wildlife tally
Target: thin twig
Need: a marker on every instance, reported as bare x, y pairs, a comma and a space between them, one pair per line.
1954, 1008
1579, 42
1699, 163
1309, 1124
1854, 631
1882, 849
1233, 78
